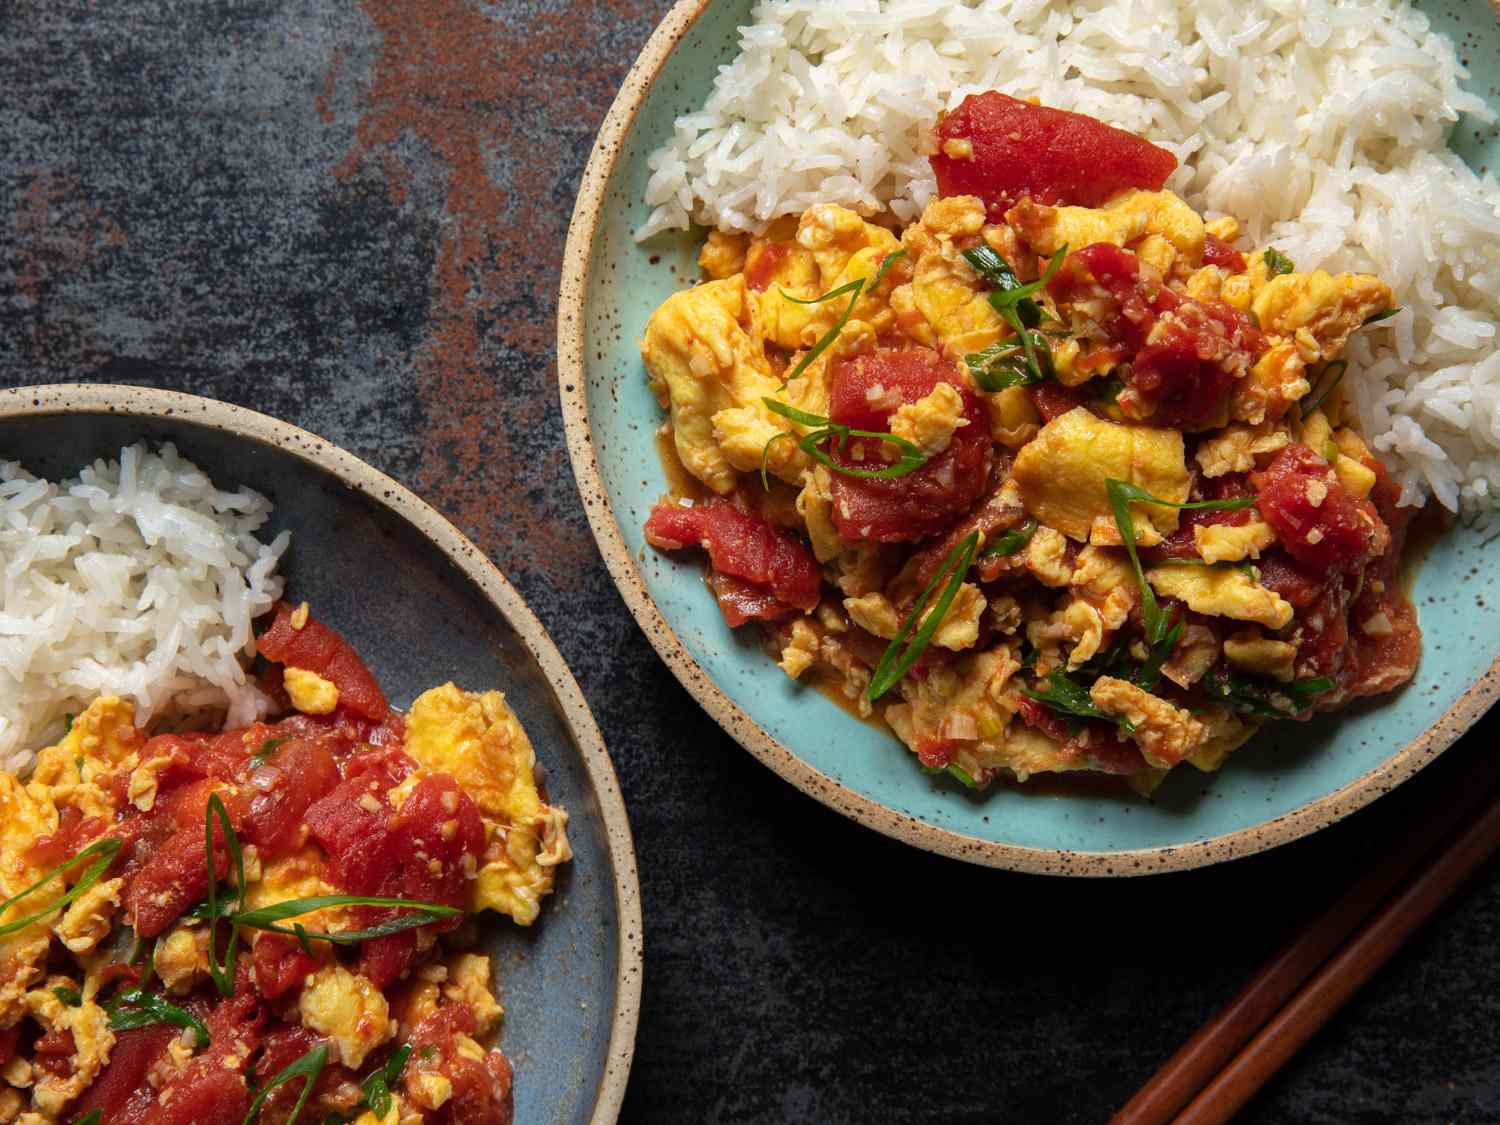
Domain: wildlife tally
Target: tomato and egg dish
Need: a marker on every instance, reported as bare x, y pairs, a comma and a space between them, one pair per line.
1060, 477
273, 922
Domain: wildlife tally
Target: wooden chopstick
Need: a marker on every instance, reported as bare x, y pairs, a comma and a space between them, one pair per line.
1213, 1048
1338, 980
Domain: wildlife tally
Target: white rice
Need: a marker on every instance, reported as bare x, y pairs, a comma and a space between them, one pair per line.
1322, 126
137, 578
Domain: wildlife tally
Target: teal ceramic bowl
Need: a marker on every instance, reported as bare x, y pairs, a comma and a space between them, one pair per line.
424, 606
1281, 786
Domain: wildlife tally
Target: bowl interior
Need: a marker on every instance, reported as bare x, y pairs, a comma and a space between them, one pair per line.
1278, 773
419, 620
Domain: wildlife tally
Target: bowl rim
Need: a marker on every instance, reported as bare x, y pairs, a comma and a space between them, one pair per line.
149, 402
572, 386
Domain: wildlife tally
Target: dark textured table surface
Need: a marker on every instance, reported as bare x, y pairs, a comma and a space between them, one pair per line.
352, 216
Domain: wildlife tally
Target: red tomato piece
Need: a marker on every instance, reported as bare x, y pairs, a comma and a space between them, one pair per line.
866, 390
350, 823
762, 262
417, 852
53, 1052
1217, 252
439, 835
1053, 400
280, 964
1281, 574
936, 753
317, 648
1195, 353
1317, 521
74, 833
1001, 149
205, 1093
296, 775
283, 1045
1324, 648
174, 878
121, 1093
211, 1090
482, 1092
775, 570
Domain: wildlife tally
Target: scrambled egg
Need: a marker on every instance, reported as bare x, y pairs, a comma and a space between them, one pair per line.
349, 1010
477, 739
1065, 597
102, 769
1063, 469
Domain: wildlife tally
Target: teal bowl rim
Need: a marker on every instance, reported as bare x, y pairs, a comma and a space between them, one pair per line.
147, 402
572, 386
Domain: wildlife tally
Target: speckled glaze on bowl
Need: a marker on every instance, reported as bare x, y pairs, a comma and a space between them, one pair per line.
1282, 786
423, 605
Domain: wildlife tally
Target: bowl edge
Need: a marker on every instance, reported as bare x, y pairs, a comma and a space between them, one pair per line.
148, 402
572, 388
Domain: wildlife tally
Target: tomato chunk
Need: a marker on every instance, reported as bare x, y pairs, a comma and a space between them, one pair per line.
174, 878
121, 1093
1191, 359
297, 774
762, 262
280, 964
1000, 149
759, 571
426, 851
317, 648
1313, 515
1217, 252
482, 1091
1097, 744
211, 1090
1281, 574
1053, 400
866, 390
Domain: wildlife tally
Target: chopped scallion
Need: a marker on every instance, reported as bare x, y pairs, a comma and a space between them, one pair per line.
913, 638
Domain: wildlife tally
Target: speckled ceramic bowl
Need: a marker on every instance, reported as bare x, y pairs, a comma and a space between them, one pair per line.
423, 605
1282, 786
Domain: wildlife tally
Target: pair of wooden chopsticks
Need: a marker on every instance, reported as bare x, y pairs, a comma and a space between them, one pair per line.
1221, 1067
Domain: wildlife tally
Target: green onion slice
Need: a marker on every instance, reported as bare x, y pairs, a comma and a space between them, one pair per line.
267, 748
309, 1066
102, 852
222, 972
854, 289
1338, 367
1121, 495
69, 996
89, 1118
1065, 695
267, 917
1252, 697
912, 458
1277, 263
902, 652
1376, 318
1011, 542
136, 1007
377, 1087
1010, 298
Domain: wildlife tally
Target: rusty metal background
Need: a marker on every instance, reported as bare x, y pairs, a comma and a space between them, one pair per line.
352, 216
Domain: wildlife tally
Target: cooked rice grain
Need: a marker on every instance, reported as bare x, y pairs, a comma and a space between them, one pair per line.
137, 578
